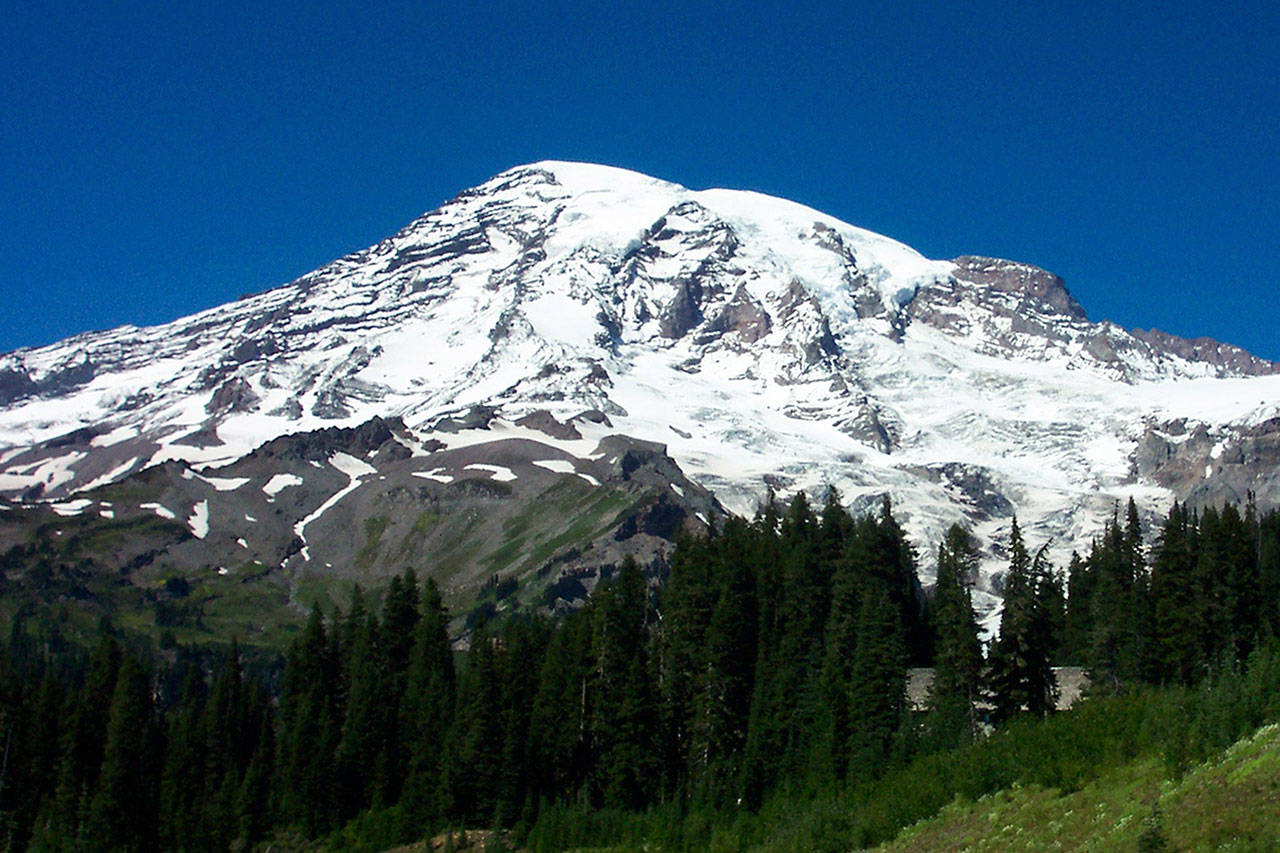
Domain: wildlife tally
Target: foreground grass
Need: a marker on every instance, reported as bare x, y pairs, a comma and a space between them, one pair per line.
1230, 802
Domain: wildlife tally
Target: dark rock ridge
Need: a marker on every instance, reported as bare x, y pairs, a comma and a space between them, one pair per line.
1040, 291
1228, 358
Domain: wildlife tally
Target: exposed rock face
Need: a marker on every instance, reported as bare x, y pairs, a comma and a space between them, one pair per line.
15, 385
1038, 291
1206, 466
234, 395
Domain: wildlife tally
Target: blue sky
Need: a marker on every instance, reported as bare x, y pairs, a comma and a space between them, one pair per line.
157, 159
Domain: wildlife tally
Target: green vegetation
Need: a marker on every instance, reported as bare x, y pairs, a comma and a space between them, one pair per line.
374, 527
1231, 801
755, 702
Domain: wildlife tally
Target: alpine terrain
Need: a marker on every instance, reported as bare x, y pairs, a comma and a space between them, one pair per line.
572, 341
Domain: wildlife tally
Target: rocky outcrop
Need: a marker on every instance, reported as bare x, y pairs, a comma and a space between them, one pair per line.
1038, 291
1226, 358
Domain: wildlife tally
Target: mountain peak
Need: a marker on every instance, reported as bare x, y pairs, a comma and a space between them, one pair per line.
752, 335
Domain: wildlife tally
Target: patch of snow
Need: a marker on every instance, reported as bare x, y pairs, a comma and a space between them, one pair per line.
563, 319
592, 480
112, 475
227, 484
107, 513
354, 469
70, 508
496, 472
559, 466
222, 570
242, 543
679, 491
115, 436
434, 474
351, 466
199, 520
280, 482
162, 511
250, 519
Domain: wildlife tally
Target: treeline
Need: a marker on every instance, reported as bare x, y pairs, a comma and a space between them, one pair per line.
1199, 600
771, 667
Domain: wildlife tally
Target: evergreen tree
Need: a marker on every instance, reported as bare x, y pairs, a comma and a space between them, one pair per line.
1021, 675
625, 719
182, 784
473, 757
524, 646
786, 703
957, 650
877, 684
722, 701
427, 708
1175, 601
688, 602
361, 752
559, 750
1078, 628
310, 726
123, 810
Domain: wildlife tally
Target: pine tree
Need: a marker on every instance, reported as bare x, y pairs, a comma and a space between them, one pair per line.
364, 730
877, 684
718, 725
310, 725
957, 650
1078, 629
689, 598
559, 748
851, 571
787, 700
183, 776
123, 810
473, 756
427, 708
1114, 655
524, 646
625, 719
1021, 675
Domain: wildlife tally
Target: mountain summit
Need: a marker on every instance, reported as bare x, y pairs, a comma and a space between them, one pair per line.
761, 341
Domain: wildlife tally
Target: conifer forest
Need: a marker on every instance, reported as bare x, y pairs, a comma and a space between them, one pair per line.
754, 697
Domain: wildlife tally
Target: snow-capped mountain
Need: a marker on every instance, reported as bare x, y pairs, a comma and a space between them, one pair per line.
761, 341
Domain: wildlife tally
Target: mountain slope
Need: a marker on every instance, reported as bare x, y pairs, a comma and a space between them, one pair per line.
759, 340
499, 515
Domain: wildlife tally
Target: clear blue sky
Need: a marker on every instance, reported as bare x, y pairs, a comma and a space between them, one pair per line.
157, 159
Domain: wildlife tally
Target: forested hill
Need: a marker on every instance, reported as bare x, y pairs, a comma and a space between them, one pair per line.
758, 698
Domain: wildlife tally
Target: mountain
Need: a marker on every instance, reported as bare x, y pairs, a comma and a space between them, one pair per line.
760, 343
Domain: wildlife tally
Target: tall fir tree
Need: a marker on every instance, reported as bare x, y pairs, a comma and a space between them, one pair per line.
958, 661
1020, 673
427, 709
123, 810
624, 726
877, 684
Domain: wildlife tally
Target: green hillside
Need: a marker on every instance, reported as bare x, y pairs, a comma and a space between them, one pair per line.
1231, 802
